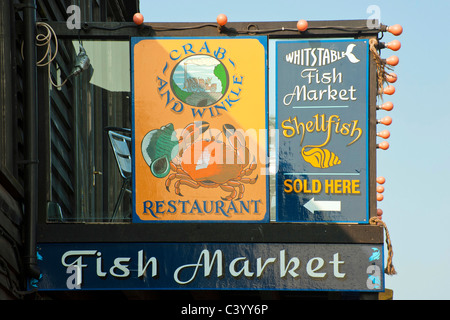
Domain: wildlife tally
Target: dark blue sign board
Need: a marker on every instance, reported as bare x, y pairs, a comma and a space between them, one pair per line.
221, 266
321, 99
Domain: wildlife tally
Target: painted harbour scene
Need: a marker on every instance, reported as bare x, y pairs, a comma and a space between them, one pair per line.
199, 80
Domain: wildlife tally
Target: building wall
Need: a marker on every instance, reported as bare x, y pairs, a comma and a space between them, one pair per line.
11, 155
55, 132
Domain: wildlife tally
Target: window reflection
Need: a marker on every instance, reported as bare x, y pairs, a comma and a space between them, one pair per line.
86, 187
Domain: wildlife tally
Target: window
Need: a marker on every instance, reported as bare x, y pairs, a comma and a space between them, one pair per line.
85, 181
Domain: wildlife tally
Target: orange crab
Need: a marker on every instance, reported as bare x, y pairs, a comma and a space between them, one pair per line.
212, 163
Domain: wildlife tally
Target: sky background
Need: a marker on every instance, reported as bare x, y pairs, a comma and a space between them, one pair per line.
416, 199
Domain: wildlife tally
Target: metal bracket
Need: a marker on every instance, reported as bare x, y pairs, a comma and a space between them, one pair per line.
27, 162
21, 6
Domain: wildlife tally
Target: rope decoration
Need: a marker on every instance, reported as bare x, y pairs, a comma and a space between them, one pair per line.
390, 270
381, 66
44, 40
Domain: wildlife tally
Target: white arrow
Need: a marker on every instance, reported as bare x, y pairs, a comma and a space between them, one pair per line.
312, 205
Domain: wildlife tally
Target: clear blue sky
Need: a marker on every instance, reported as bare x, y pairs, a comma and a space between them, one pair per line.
416, 166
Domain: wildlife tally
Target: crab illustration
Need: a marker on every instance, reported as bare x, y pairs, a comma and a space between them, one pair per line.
212, 163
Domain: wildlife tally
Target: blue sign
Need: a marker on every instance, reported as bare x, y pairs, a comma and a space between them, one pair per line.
322, 120
221, 266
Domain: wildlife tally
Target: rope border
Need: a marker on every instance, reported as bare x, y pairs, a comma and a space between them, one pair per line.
390, 270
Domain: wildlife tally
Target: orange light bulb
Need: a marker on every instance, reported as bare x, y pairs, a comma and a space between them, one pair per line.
381, 180
138, 18
394, 45
392, 60
396, 29
390, 90
222, 19
384, 134
380, 197
391, 77
385, 120
387, 106
302, 25
384, 145
380, 189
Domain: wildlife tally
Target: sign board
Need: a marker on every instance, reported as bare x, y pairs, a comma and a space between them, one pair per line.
231, 266
322, 120
199, 129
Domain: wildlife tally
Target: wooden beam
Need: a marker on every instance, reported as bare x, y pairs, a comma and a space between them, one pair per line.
339, 28
211, 232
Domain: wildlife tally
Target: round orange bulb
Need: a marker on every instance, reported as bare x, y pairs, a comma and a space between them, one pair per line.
392, 61
391, 77
387, 106
379, 212
380, 197
384, 134
381, 180
394, 45
385, 120
138, 18
222, 19
302, 25
390, 90
384, 145
380, 189
396, 29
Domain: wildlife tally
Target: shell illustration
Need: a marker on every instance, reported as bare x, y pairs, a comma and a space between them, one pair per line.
158, 148
320, 158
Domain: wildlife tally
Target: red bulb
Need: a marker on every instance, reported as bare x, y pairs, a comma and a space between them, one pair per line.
384, 145
222, 19
138, 18
379, 213
390, 90
302, 25
396, 29
391, 77
394, 45
392, 61
384, 134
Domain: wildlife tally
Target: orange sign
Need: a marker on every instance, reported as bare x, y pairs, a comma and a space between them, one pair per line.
199, 129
